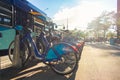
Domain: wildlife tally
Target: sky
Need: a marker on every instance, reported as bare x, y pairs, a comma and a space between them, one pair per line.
77, 13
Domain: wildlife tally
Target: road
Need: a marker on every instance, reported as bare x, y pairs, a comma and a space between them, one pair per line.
98, 62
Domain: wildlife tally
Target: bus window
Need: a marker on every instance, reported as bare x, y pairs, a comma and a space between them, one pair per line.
7, 21
5, 14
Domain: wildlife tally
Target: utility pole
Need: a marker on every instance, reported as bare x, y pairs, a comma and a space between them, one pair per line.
67, 23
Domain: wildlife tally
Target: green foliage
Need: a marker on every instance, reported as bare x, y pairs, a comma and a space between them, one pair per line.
110, 34
101, 23
76, 33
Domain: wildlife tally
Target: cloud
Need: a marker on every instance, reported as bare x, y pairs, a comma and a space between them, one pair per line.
79, 15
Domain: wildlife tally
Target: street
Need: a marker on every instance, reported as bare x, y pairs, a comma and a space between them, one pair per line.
98, 62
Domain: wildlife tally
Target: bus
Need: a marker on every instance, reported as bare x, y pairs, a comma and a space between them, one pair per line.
18, 12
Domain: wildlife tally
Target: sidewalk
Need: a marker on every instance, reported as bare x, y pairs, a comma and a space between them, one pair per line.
115, 46
107, 44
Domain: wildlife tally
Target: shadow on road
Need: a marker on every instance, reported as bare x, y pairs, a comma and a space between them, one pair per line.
34, 72
116, 54
3, 52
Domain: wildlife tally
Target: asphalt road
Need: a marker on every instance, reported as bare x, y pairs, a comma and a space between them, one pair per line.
98, 62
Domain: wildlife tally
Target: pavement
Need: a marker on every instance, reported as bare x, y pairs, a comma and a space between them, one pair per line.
98, 62
106, 43
115, 46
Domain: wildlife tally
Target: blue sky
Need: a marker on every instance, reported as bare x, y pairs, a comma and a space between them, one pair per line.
78, 12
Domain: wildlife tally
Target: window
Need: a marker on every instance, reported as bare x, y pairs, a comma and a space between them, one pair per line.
5, 14
6, 20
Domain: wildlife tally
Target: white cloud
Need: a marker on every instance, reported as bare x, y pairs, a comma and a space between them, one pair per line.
81, 14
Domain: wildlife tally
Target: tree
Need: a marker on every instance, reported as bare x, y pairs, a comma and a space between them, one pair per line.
101, 23
116, 19
94, 26
105, 21
111, 34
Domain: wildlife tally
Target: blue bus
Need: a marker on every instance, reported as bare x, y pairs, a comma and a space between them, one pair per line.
18, 12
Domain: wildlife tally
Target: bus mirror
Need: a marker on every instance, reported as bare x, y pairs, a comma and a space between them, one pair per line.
18, 27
